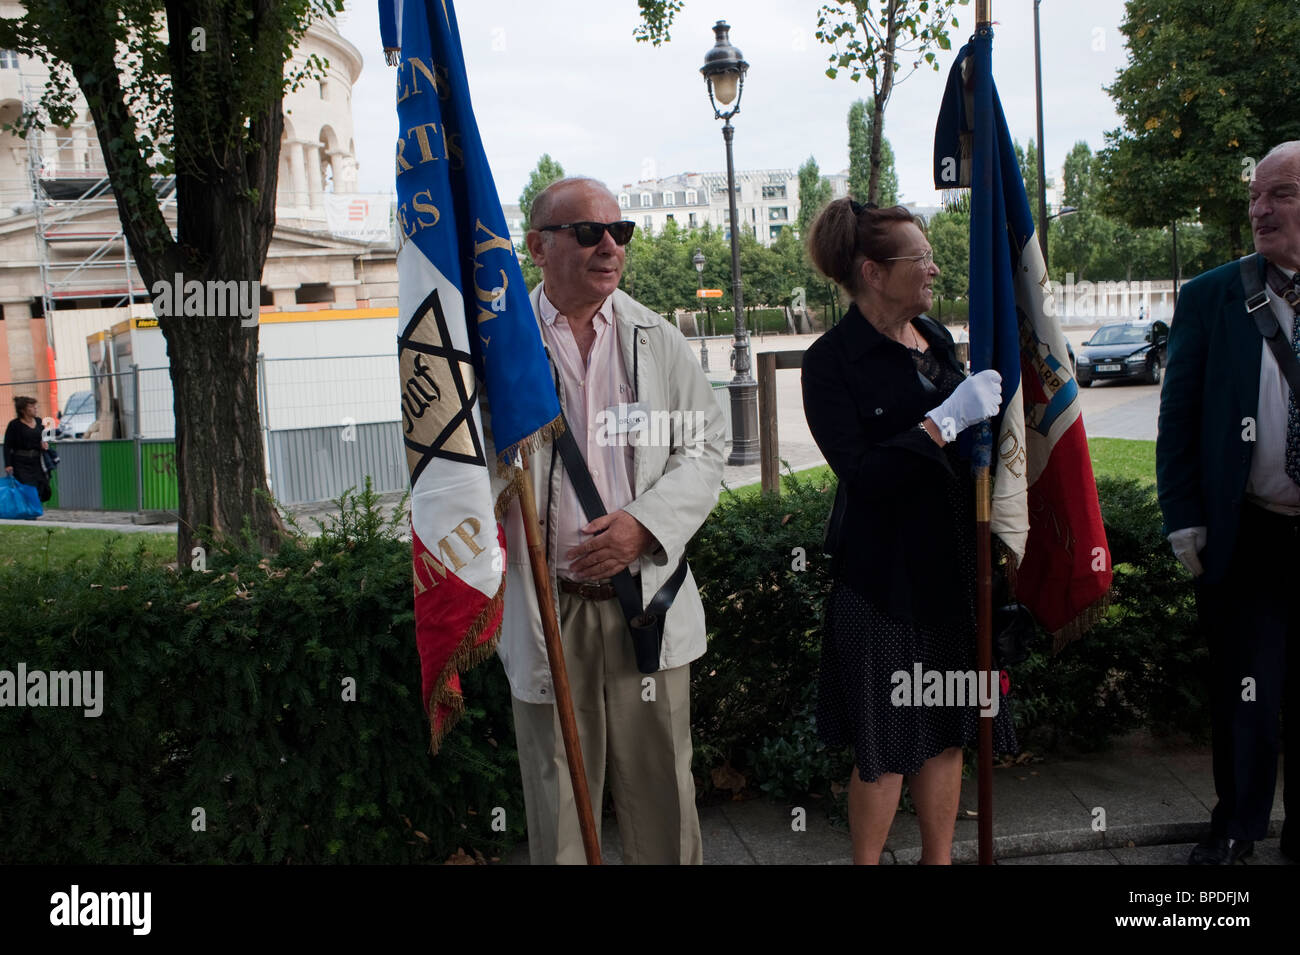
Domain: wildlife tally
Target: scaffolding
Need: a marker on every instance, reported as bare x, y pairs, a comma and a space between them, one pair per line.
80, 242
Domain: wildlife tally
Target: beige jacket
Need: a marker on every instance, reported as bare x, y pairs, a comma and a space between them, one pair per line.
676, 482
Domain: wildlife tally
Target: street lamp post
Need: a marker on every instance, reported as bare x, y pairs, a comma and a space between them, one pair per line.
1063, 211
698, 260
724, 75
1042, 163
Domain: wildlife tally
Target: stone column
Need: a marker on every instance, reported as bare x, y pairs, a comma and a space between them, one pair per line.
297, 176
345, 292
311, 158
337, 169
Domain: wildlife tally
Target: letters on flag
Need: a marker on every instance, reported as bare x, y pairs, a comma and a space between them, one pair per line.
468, 342
1044, 499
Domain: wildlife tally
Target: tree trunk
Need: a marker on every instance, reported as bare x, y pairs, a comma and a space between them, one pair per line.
226, 173
882, 94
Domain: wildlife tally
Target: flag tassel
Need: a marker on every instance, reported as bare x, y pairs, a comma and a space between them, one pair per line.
559, 673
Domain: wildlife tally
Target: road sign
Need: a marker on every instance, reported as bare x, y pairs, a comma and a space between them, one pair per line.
709, 293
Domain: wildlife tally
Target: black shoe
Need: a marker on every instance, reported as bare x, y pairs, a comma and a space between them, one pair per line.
1221, 851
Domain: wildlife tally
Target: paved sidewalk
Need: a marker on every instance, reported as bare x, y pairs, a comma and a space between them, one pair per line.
1156, 800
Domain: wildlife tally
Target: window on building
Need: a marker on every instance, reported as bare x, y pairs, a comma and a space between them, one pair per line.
648, 225
753, 216
313, 293
693, 222
671, 218
774, 192
778, 213
692, 197
624, 200
646, 201
774, 230
8, 60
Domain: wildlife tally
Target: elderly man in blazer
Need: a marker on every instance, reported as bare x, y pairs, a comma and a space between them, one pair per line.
645, 419
1228, 472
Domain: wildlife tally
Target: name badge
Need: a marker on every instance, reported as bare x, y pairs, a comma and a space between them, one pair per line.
628, 418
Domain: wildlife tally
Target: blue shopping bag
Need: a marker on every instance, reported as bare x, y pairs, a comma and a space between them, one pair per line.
19, 501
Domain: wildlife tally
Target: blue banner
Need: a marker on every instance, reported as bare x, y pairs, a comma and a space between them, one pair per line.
449, 208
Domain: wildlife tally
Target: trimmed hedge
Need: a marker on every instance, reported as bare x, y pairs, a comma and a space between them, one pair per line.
223, 691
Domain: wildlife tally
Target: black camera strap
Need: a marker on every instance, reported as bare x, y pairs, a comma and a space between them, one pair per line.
627, 589
1266, 321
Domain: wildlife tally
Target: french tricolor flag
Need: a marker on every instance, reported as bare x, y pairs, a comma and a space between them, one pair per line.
1044, 498
468, 342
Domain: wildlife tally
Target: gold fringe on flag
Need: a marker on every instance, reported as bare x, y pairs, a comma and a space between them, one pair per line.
1081, 624
470, 654
506, 467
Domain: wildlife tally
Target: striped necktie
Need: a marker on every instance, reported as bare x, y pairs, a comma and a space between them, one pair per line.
1288, 289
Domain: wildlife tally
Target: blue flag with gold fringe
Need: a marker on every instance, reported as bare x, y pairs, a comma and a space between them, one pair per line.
476, 386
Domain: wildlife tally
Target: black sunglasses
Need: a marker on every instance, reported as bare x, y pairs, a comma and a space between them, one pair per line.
589, 233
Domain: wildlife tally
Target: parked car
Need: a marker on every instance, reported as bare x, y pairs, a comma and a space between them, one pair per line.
77, 415
1124, 350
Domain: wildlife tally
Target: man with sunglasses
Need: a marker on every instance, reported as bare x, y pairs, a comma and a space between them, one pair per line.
617, 365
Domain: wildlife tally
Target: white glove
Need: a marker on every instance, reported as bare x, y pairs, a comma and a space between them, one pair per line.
1187, 544
976, 399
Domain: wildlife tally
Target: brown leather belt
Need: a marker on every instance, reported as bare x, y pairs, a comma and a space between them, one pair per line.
588, 589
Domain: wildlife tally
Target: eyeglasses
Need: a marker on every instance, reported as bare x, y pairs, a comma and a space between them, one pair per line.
925, 258
589, 233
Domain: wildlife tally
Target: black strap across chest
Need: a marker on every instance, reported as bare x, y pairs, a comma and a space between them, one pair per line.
1257, 307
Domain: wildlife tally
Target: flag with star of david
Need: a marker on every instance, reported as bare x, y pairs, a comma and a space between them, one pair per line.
468, 342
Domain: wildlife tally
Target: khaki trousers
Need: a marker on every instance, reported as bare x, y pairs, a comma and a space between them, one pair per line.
640, 730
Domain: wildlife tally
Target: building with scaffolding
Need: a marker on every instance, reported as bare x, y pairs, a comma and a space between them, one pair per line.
67, 273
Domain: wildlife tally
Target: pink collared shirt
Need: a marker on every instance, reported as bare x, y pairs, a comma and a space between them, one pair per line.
590, 388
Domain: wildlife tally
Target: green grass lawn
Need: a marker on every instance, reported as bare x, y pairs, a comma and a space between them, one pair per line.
1111, 457
1122, 458
36, 548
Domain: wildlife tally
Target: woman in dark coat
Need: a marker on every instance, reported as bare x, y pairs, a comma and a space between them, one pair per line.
885, 397
23, 447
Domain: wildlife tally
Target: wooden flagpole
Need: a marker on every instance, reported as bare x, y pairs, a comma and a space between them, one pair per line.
984, 588
559, 673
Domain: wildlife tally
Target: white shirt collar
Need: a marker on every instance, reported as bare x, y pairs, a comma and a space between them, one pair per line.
549, 313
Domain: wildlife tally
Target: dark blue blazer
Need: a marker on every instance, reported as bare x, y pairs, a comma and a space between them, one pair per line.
1207, 413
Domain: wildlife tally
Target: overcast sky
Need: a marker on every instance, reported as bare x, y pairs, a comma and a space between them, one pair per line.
566, 77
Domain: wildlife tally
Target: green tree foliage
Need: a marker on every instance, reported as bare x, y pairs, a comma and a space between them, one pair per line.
949, 234
869, 39
544, 173
860, 119
1209, 87
1093, 246
1027, 157
814, 192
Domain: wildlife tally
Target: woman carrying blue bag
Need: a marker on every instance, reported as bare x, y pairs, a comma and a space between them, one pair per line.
26, 483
